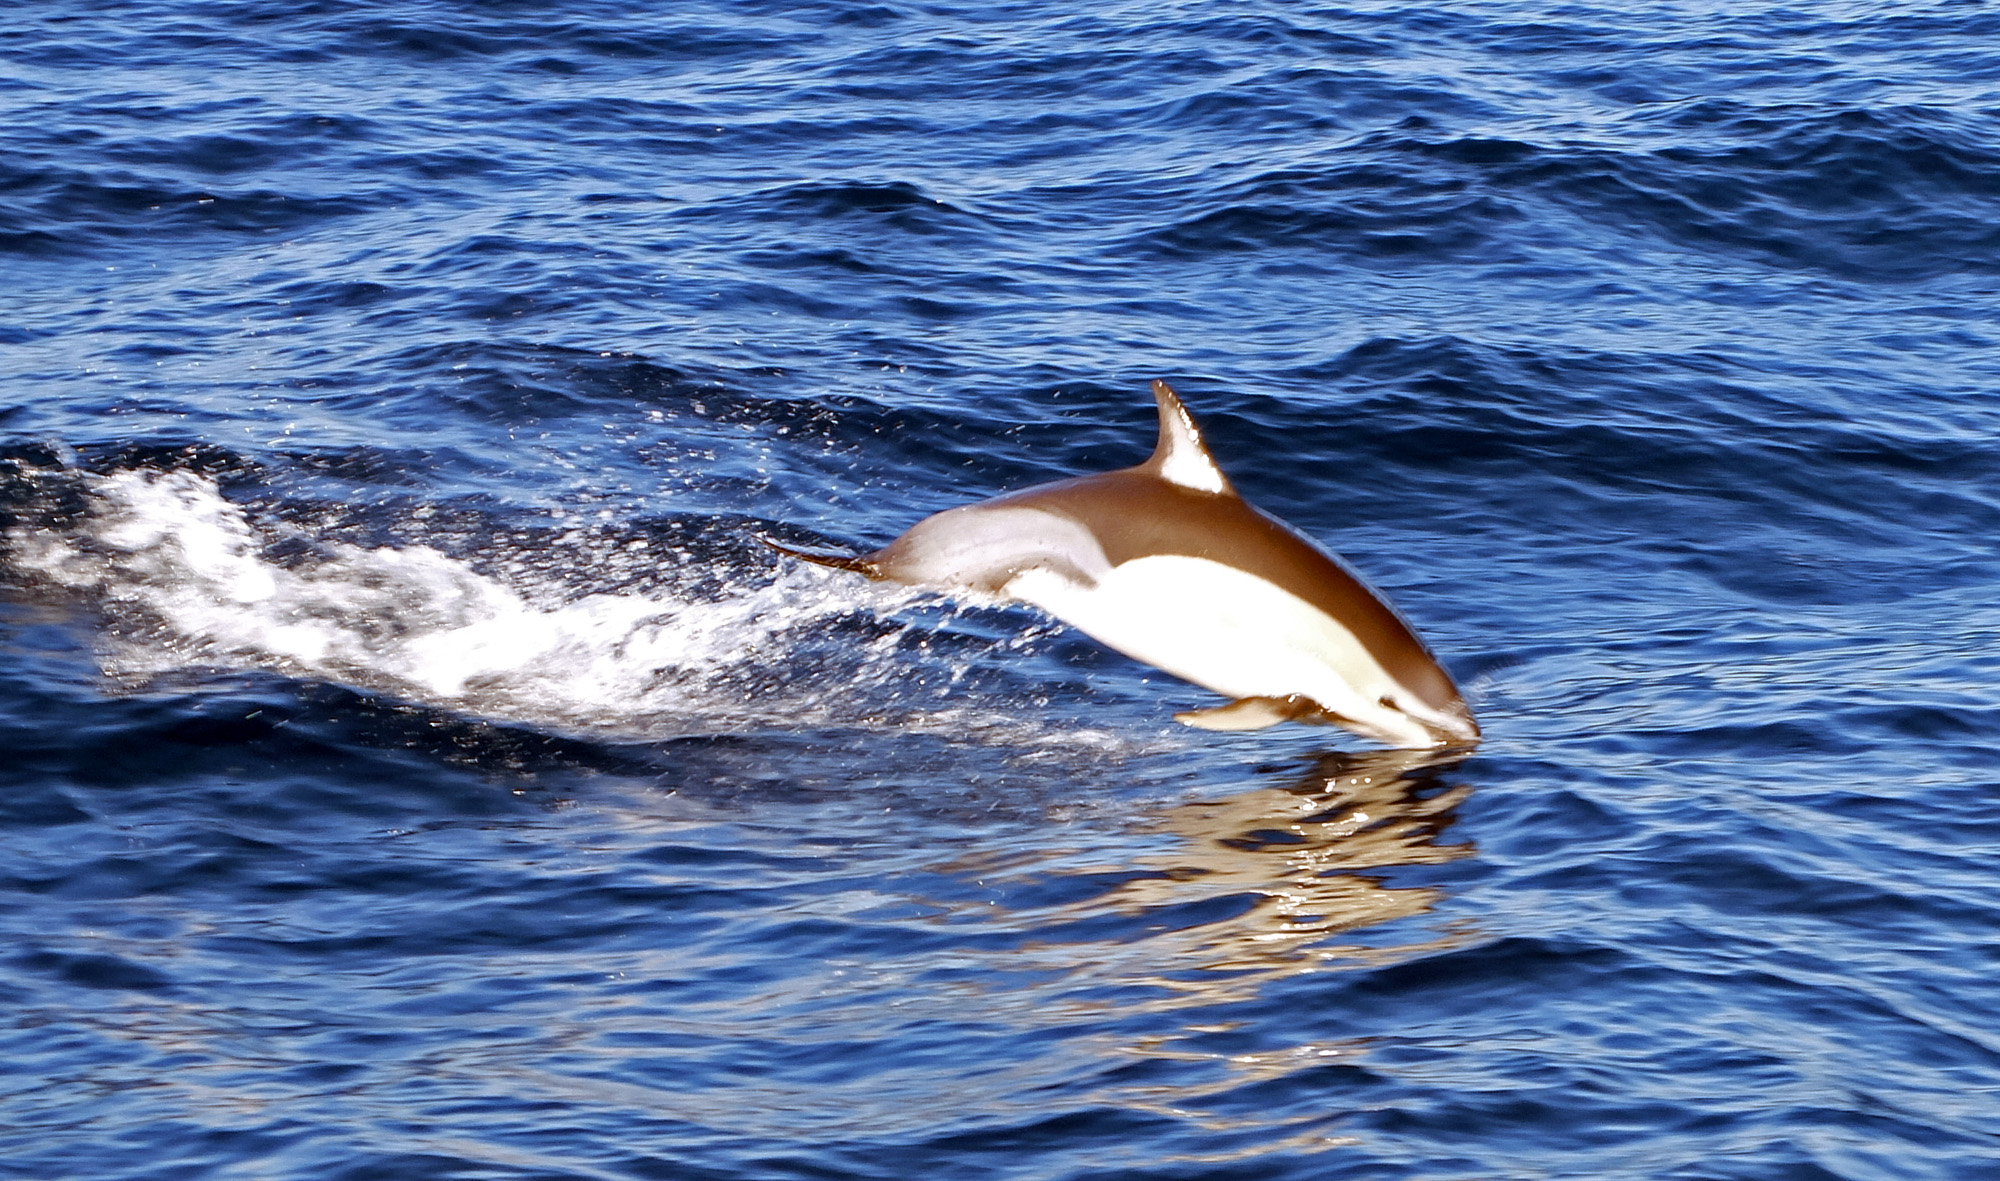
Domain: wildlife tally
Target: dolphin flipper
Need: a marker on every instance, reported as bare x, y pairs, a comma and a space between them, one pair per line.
1250, 713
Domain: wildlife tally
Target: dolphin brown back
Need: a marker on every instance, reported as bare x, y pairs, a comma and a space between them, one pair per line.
1135, 514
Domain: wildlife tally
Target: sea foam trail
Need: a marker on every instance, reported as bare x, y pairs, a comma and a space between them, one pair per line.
186, 581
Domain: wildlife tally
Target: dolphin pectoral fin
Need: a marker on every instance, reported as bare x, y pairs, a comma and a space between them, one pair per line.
1250, 713
821, 558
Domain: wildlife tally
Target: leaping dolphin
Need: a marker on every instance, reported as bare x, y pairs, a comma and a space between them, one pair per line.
1165, 563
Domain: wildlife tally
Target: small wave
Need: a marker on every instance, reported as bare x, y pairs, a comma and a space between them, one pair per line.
1894, 194
57, 210
1399, 226
1449, 413
817, 208
1899, 194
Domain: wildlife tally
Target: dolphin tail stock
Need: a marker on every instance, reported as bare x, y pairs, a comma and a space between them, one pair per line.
857, 564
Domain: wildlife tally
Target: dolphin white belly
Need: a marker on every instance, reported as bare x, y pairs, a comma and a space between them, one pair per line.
1222, 629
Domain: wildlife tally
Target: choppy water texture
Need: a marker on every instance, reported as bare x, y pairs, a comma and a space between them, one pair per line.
413, 768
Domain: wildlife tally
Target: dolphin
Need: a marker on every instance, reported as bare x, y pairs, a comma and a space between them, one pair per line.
1165, 563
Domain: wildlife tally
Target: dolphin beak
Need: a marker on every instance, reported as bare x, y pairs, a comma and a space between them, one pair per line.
1456, 729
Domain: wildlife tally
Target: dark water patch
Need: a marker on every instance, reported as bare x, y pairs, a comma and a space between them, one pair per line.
1896, 194
1361, 216
37, 805
1892, 194
366, 465
1928, 724
246, 147
93, 971
1518, 967
1455, 407
1298, 32
228, 467
494, 379
64, 211
894, 205
483, 252
229, 733
425, 43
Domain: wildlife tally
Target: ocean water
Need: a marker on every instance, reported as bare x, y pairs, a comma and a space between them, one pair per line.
411, 765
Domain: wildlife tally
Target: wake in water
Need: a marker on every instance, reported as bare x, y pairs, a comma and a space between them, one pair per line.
186, 580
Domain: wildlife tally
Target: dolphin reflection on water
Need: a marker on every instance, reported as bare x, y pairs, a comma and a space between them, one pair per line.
1301, 854
1165, 563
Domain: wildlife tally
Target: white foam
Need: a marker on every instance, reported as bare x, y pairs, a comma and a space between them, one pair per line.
183, 570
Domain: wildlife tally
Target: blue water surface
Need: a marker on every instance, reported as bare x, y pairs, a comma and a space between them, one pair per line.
411, 765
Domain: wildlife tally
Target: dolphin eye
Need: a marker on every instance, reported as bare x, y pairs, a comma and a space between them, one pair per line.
1387, 702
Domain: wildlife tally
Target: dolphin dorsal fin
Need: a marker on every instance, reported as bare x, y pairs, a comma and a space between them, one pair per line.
1181, 457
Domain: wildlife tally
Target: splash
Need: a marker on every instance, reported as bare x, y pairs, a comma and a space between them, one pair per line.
186, 580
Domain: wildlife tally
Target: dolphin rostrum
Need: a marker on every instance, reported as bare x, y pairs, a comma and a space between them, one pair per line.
1165, 563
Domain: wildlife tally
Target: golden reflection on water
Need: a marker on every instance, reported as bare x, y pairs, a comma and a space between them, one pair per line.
1249, 888
1298, 857
1303, 850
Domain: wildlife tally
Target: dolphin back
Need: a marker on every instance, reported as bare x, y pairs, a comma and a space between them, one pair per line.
1130, 514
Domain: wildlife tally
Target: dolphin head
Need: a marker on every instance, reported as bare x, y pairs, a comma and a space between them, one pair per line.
1406, 718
